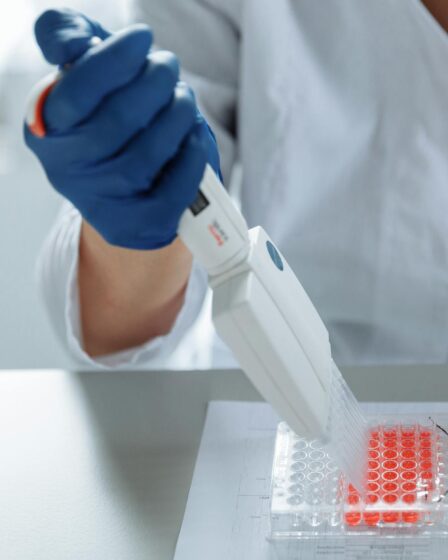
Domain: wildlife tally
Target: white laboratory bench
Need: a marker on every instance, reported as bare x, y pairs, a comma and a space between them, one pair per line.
98, 465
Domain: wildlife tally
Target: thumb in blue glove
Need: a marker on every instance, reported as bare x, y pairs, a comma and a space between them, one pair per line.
64, 35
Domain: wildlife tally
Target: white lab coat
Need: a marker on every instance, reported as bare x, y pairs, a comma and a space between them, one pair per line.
337, 111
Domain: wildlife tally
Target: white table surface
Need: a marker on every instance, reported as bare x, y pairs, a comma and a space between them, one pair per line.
98, 465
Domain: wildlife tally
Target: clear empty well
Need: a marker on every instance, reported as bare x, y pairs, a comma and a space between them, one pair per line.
404, 489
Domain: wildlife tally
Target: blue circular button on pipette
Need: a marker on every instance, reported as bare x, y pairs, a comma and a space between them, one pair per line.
274, 254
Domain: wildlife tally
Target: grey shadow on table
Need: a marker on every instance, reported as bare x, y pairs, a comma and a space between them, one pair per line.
147, 427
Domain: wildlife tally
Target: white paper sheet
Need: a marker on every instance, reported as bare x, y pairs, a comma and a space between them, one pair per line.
227, 514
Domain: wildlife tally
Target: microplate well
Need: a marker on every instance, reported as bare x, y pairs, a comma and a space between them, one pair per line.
405, 489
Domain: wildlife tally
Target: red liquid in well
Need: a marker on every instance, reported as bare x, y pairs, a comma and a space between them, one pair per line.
400, 468
353, 518
371, 518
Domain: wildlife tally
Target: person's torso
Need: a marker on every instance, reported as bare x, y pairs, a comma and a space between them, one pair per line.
344, 144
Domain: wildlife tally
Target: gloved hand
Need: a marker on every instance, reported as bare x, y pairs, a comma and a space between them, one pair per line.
125, 141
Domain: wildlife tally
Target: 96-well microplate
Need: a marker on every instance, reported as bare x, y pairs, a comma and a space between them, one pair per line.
405, 489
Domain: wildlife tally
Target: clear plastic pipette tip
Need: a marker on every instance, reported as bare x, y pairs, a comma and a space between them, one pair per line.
347, 436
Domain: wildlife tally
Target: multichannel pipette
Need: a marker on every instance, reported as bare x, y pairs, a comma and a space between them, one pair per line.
264, 315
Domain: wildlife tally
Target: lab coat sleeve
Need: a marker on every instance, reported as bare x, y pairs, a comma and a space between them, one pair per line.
212, 72
57, 272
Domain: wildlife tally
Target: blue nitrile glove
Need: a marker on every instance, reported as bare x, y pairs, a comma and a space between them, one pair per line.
125, 141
